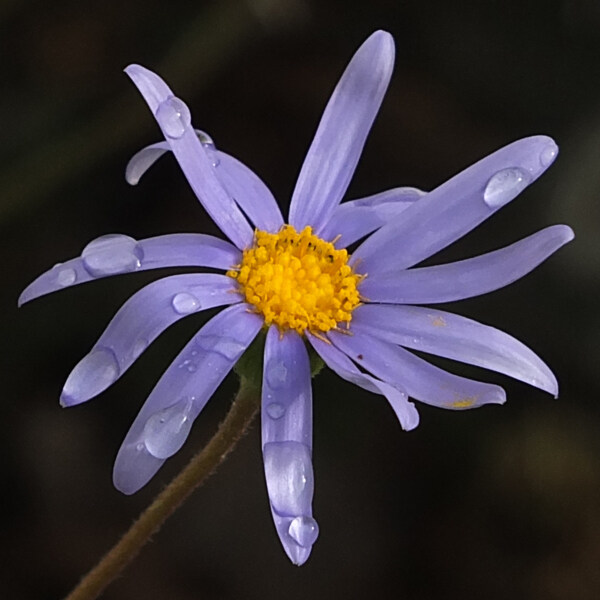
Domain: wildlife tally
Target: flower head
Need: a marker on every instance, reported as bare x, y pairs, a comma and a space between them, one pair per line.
299, 283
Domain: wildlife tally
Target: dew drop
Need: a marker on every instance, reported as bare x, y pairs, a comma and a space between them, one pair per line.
139, 346
275, 410
504, 186
276, 373
166, 431
204, 138
289, 475
304, 531
174, 117
184, 303
66, 277
112, 254
92, 375
209, 146
225, 346
191, 366
548, 155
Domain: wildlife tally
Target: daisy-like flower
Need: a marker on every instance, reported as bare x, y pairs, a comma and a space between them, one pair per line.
298, 282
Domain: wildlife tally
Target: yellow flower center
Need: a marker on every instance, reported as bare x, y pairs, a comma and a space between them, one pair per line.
298, 281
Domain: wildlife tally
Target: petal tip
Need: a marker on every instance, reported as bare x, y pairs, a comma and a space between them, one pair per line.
568, 234
549, 384
298, 554
412, 422
123, 487
66, 401
499, 397
131, 180
384, 40
134, 69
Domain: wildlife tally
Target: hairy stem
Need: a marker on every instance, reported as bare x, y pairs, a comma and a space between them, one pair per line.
197, 471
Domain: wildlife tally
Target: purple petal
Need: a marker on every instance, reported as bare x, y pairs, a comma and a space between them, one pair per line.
345, 124
457, 206
452, 336
421, 380
141, 161
249, 191
164, 421
287, 441
338, 362
117, 254
354, 219
174, 118
286, 391
138, 323
466, 278
241, 183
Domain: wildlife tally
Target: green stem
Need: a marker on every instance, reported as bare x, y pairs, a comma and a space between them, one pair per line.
202, 465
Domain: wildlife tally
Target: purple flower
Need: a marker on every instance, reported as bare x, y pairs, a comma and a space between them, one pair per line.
299, 283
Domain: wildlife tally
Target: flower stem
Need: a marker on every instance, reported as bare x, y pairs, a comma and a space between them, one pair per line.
197, 471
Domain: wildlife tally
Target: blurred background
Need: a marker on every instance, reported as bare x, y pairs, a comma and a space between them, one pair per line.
499, 503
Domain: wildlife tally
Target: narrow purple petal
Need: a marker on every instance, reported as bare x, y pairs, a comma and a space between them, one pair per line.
242, 184
174, 118
249, 191
345, 124
117, 254
451, 210
355, 219
164, 422
141, 161
138, 323
452, 336
286, 418
421, 380
286, 391
466, 278
338, 362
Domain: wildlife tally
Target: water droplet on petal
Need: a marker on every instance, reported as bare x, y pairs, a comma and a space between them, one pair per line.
275, 410
112, 254
185, 303
92, 375
66, 277
225, 346
289, 475
304, 531
166, 431
505, 185
548, 155
174, 117
139, 346
209, 146
276, 373
204, 138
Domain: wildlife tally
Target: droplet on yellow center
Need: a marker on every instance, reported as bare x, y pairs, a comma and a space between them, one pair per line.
298, 281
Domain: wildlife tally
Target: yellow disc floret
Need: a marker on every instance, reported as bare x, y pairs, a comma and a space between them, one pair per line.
298, 281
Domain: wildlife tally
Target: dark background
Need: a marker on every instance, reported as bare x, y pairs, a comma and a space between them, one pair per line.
499, 503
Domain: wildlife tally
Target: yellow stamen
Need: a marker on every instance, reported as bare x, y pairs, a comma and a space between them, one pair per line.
298, 281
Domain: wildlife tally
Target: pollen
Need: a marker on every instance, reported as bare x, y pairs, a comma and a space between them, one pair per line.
298, 281
464, 402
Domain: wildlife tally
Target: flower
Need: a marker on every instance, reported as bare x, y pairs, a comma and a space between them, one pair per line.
298, 281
